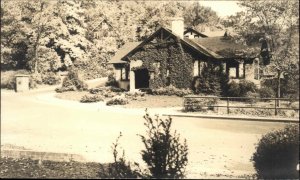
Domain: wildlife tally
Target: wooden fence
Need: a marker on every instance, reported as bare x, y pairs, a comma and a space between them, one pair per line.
251, 103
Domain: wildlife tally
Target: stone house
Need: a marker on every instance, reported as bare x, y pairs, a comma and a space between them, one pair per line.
175, 56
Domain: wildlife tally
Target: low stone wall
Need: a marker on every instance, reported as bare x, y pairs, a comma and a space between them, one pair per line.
35, 155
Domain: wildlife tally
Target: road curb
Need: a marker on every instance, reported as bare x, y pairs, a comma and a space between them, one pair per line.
259, 119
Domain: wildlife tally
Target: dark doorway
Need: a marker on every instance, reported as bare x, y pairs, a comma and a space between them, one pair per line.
141, 78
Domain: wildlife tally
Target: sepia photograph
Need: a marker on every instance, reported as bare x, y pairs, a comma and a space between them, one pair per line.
140, 89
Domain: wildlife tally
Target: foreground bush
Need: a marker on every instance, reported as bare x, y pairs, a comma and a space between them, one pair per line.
91, 98
120, 168
277, 154
164, 154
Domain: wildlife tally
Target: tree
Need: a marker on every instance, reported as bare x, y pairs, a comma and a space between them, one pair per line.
164, 154
196, 14
275, 22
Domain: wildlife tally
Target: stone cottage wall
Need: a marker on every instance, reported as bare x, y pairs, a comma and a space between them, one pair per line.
168, 64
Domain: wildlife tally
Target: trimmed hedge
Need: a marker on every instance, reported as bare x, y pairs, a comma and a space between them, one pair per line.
277, 154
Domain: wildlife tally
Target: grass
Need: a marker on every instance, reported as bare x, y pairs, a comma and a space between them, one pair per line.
152, 101
28, 168
72, 95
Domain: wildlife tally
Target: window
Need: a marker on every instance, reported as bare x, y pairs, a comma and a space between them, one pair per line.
198, 66
232, 72
124, 73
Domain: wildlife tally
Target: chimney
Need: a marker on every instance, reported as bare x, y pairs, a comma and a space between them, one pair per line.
178, 26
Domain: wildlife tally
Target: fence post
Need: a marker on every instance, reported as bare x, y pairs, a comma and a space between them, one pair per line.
275, 107
227, 105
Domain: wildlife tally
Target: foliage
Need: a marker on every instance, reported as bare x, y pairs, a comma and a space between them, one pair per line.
120, 168
252, 97
289, 86
277, 154
199, 104
171, 56
266, 92
164, 154
171, 90
72, 82
111, 80
117, 100
240, 89
91, 98
211, 81
50, 78
8, 79
274, 24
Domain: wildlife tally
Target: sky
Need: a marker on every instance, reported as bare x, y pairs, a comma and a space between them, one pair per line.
223, 8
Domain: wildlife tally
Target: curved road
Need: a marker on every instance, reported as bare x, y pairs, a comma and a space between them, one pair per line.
38, 121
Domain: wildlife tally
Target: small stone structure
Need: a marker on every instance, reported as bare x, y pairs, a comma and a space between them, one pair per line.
22, 82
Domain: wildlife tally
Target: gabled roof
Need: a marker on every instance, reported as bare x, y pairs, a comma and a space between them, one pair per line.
209, 46
195, 31
123, 51
220, 44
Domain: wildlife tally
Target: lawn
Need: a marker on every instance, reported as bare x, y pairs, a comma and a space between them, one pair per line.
149, 101
28, 168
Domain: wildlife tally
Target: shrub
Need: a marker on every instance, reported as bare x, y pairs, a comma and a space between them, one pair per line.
117, 100
111, 81
277, 154
211, 81
50, 78
89, 98
72, 81
134, 95
164, 154
199, 104
120, 168
253, 97
240, 89
266, 92
171, 90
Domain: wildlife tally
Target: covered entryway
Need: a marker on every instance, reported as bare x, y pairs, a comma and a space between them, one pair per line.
141, 78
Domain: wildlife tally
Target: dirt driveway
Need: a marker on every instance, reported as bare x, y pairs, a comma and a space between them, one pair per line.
42, 123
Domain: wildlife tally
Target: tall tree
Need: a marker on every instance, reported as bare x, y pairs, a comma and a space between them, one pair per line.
278, 21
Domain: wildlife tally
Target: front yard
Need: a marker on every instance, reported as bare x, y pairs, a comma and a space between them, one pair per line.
165, 101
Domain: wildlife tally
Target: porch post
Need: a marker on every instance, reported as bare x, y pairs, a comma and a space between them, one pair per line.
241, 70
132, 81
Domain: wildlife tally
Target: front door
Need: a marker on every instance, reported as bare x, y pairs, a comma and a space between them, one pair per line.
141, 78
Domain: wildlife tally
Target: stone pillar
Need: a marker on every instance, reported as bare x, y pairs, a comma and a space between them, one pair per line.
241, 70
132, 81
